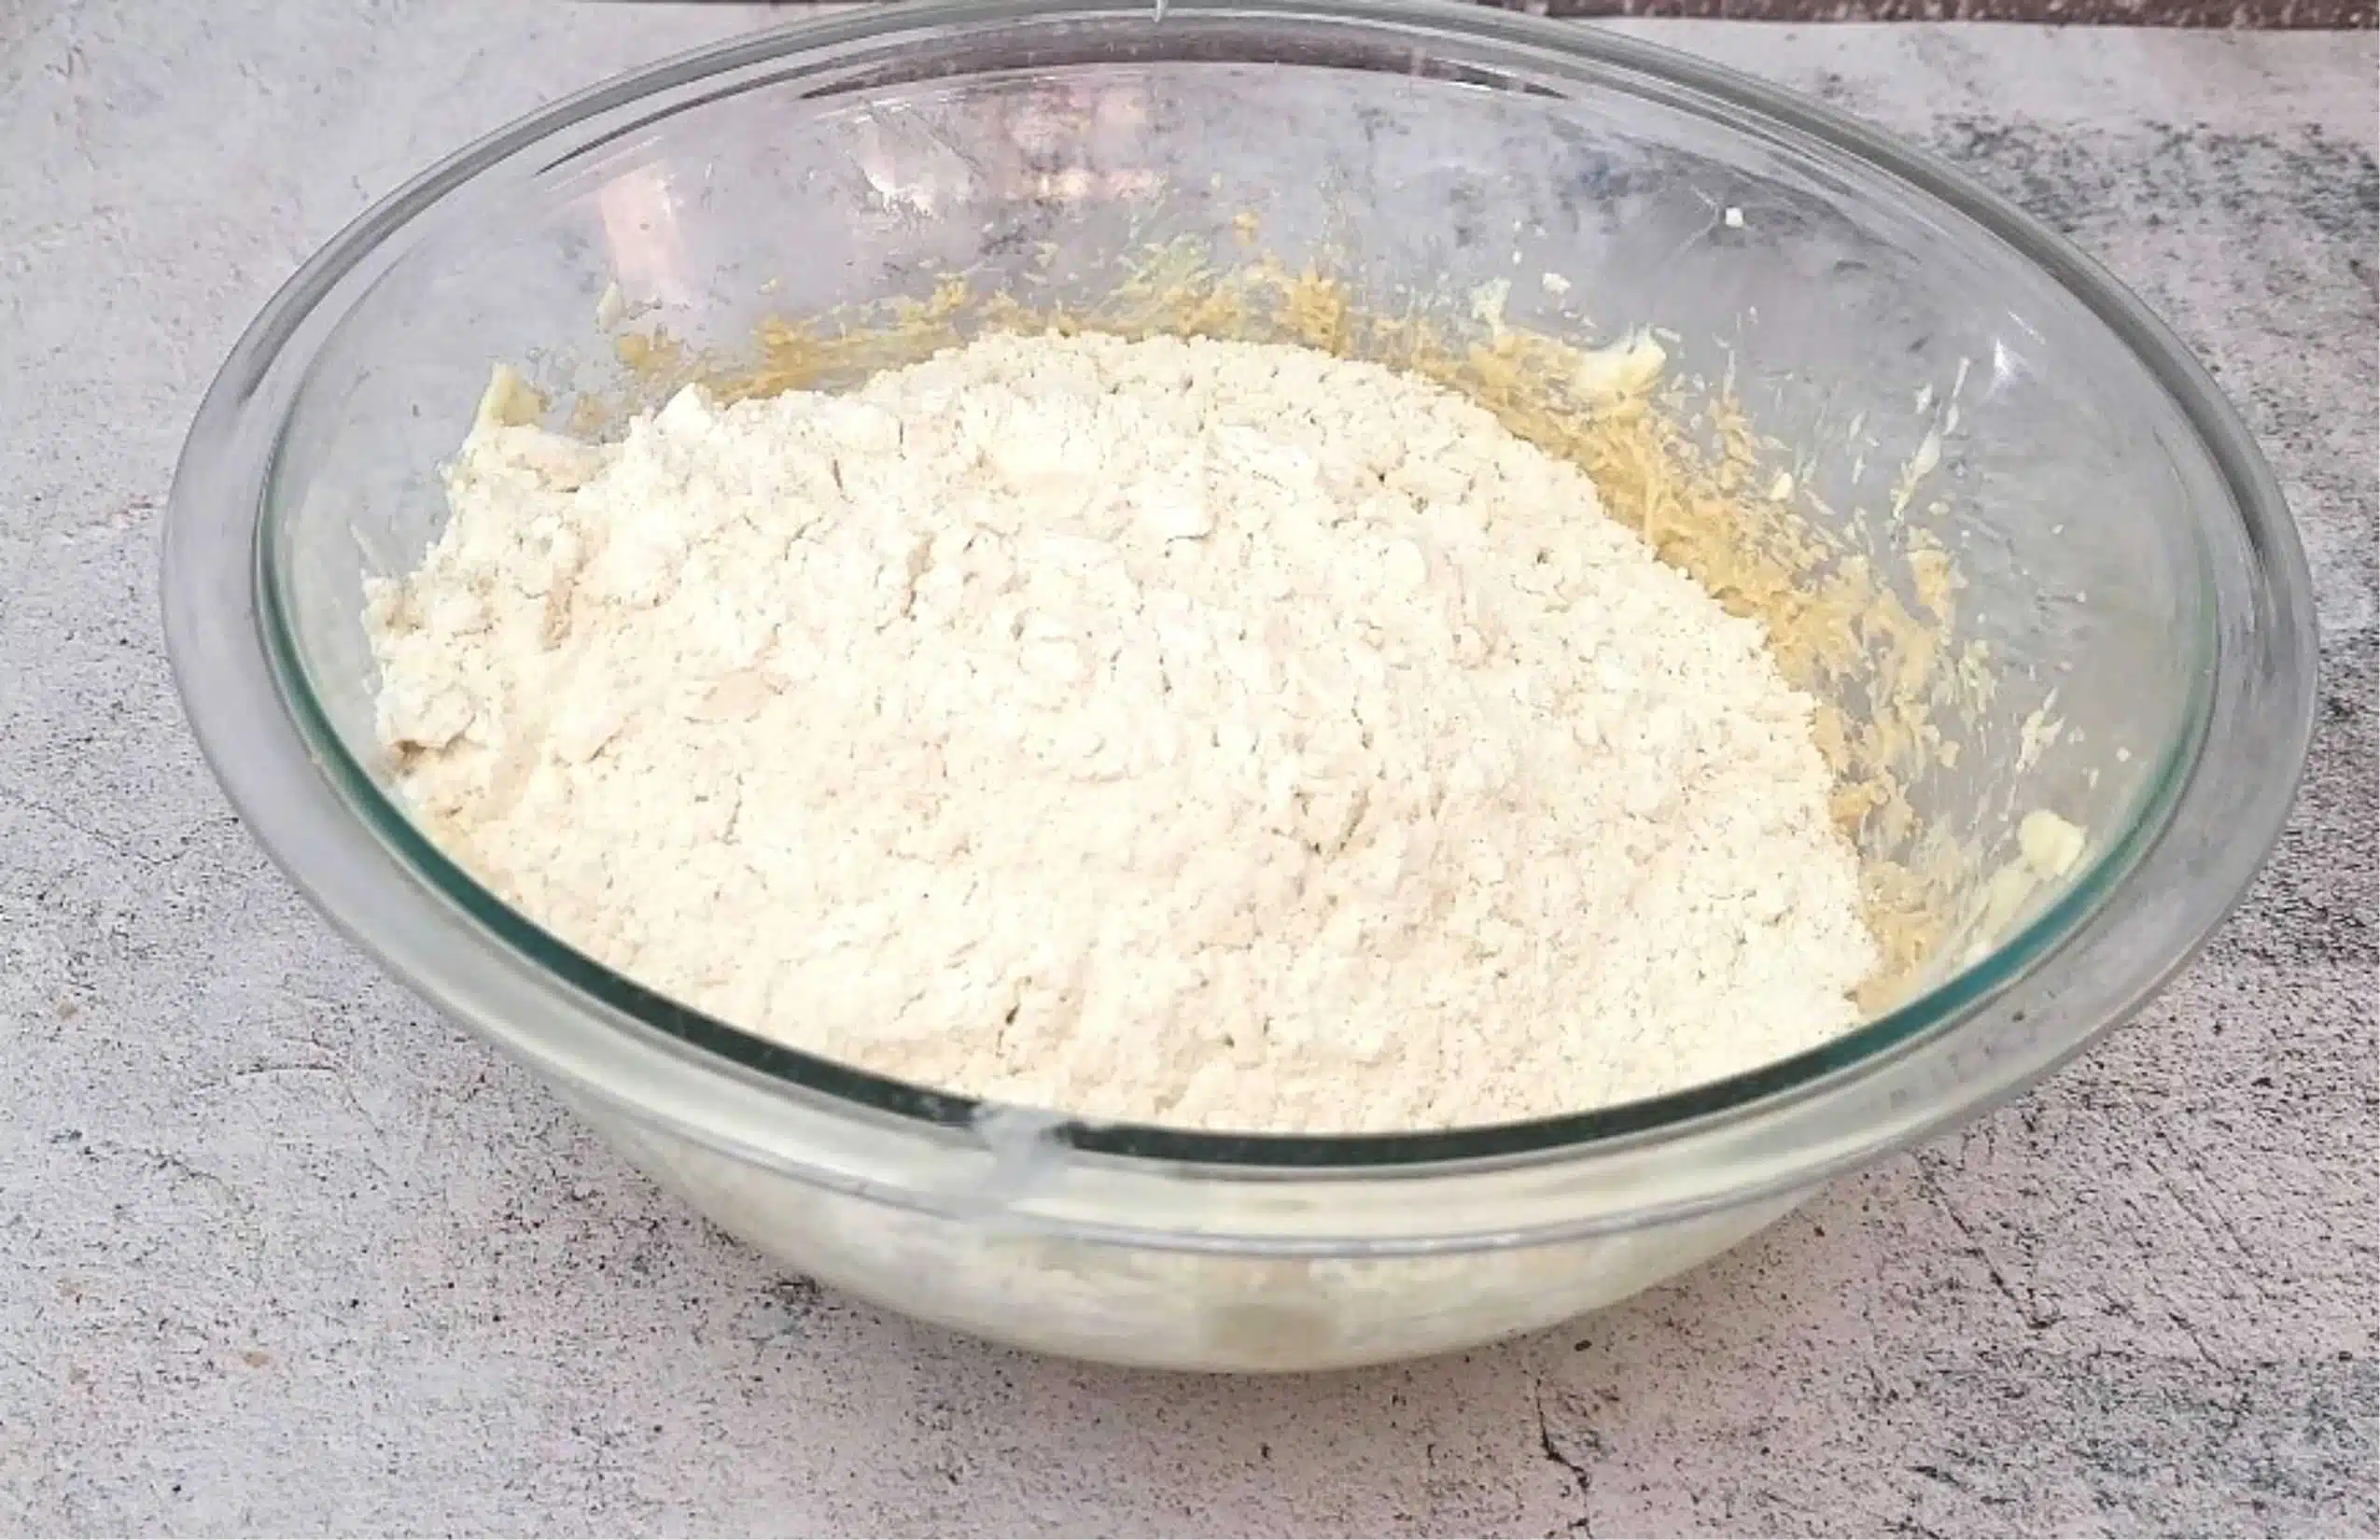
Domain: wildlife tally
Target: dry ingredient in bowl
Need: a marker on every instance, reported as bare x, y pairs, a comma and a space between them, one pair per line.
1214, 733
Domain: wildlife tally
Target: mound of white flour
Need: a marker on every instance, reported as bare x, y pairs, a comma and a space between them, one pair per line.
1203, 733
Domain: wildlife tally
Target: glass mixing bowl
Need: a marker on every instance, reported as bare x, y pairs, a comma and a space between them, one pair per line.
2057, 539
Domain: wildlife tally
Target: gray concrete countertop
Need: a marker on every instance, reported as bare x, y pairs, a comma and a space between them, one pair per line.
281, 1252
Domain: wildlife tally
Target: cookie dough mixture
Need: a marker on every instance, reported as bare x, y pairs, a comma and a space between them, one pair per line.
1204, 732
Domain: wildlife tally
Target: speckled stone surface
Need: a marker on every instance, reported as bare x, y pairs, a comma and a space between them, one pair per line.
2332, 14
280, 1251
2139, 13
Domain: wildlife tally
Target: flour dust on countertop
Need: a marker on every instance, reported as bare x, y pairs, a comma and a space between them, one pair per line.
1203, 733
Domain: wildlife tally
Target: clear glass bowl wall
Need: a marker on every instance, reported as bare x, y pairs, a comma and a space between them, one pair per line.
2118, 543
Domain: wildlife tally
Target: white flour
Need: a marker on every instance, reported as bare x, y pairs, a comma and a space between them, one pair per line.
1206, 733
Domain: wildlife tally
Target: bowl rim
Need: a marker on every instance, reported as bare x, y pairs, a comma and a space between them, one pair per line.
296, 803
